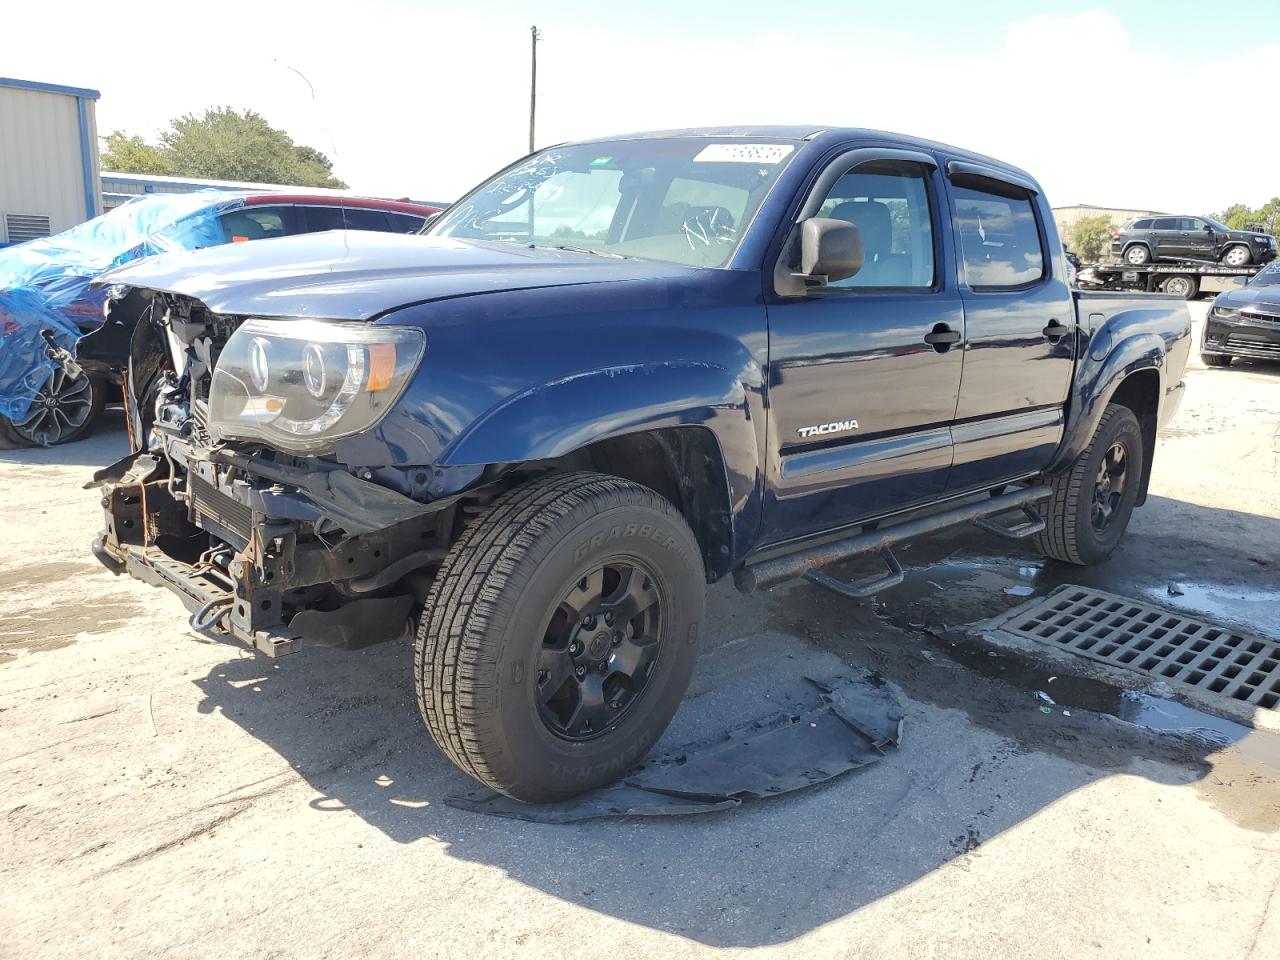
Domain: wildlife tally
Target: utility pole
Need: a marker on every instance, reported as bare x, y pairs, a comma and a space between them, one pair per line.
535, 36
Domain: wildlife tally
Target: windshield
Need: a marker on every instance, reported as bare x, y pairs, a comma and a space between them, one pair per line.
1268, 276
682, 201
1220, 227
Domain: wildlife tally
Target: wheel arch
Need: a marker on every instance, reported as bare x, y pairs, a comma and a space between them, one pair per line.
687, 430
1140, 392
1131, 374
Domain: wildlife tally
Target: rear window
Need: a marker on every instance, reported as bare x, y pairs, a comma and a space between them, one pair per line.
999, 236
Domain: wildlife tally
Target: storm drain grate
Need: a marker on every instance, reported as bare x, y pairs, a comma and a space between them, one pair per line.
1126, 633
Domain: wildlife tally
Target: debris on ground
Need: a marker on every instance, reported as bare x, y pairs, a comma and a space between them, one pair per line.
855, 719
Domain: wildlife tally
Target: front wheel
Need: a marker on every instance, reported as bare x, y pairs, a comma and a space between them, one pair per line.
560, 635
1237, 256
1093, 501
66, 409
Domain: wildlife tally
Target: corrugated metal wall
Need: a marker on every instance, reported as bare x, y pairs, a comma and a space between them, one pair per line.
41, 169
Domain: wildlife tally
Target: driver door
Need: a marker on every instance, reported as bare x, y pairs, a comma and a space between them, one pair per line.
864, 373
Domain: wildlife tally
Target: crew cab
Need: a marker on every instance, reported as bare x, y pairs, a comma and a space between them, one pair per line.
614, 372
1148, 239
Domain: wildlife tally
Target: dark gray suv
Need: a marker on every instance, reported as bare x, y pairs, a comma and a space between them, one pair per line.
1189, 238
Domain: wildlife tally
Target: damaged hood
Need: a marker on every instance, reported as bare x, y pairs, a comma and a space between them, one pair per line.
358, 275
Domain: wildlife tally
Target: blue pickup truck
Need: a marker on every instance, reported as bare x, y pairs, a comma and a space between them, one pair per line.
615, 372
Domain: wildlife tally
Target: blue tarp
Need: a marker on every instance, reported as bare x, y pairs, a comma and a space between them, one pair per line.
44, 284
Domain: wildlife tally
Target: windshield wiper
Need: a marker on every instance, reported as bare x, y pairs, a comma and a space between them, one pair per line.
599, 253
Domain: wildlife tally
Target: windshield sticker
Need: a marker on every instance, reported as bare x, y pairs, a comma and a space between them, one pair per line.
601, 161
744, 152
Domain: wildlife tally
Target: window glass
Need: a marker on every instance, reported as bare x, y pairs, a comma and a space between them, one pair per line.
1141, 225
1191, 223
1268, 276
680, 200
998, 234
344, 218
1165, 223
889, 204
252, 223
405, 222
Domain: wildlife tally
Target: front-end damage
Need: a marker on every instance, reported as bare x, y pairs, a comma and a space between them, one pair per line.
270, 548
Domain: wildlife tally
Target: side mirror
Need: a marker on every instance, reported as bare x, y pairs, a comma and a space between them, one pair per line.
829, 250
1208, 229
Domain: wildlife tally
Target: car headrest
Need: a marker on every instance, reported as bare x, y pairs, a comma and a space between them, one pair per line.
237, 224
873, 221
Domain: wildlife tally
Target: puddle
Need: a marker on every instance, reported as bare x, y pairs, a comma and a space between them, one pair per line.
1052, 694
955, 591
1169, 716
1256, 610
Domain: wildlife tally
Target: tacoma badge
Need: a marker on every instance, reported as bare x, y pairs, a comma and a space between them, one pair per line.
837, 426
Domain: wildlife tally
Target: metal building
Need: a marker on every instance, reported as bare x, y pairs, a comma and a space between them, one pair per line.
48, 159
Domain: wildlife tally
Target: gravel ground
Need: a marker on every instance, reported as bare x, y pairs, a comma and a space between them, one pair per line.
166, 795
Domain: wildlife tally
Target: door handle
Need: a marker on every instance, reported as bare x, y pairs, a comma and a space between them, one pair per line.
941, 338
1055, 331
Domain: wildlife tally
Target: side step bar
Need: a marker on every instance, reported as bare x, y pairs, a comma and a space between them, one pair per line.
808, 563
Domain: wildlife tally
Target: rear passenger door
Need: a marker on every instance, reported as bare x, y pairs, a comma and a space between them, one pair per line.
1019, 329
1165, 237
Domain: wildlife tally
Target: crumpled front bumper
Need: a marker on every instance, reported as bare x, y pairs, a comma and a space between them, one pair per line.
271, 579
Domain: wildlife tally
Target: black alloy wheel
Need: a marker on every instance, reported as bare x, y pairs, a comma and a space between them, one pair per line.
560, 634
599, 650
65, 409
1109, 486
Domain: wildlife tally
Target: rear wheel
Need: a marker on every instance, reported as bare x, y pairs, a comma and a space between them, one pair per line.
1238, 256
560, 635
1137, 255
1092, 502
1181, 285
66, 409
1216, 359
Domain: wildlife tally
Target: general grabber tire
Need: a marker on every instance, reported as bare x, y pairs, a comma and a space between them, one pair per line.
1093, 501
560, 634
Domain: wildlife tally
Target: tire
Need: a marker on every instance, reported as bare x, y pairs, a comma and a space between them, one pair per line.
1071, 533
9, 439
1137, 254
1216, 359
75, 405
1181, 285
1237, 256
496, 679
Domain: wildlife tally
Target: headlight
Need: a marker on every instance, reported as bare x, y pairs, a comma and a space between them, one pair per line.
303, 384
1225, 313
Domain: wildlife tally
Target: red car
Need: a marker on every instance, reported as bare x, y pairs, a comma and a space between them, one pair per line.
266, 215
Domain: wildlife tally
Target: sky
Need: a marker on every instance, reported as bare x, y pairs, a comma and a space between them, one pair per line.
1144, 104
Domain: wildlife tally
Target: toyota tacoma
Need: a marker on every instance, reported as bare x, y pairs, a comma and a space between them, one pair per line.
615, 372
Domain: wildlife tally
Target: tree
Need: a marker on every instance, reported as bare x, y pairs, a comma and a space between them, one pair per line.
223, 144
1239, 216
125, 154
1089, 237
